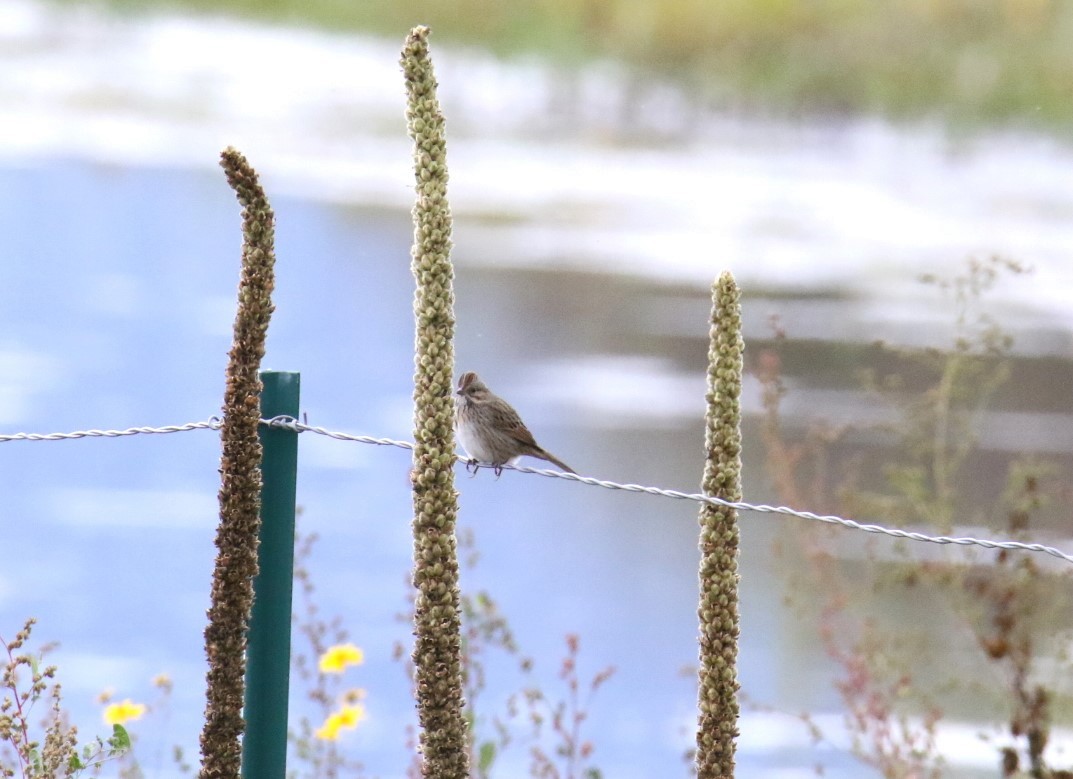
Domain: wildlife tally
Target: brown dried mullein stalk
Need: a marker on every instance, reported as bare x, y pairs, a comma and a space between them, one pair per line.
240, 490
718, 612
437, 653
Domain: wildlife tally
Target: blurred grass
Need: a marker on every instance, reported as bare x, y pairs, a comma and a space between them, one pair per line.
968, 62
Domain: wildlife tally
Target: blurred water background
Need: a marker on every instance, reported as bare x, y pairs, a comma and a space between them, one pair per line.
593, 208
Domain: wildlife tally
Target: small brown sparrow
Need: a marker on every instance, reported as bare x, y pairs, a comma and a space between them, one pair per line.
490, 430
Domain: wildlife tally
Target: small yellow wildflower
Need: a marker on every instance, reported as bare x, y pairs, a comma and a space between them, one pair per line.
123, 712
335, 659
162, 680
347, 717
329, 731
350, 716
106, 695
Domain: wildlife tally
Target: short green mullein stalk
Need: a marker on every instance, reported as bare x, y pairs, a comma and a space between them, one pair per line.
437, 620
240, 489
718, 694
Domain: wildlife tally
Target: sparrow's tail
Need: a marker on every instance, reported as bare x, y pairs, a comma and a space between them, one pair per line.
545, 455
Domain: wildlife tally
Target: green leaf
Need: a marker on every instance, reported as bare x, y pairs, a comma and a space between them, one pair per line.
120, 740
486, 756
75, 764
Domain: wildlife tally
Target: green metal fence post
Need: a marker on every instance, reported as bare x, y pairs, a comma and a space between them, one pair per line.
268, 652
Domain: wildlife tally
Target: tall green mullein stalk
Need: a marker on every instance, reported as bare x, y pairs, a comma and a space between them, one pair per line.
240, 490
437, 621
718, 694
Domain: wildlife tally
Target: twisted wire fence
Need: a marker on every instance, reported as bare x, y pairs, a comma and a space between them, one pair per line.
289, 423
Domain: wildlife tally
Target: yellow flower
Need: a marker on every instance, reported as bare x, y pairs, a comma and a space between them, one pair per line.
121, 713
163, 682
350, 716
337, 658
329, 731
347, 717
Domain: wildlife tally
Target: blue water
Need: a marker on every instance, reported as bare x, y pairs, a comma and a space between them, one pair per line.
120, 290
120, 294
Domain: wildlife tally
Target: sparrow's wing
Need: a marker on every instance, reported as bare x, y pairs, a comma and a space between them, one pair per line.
511, 424
521, 434
516, 429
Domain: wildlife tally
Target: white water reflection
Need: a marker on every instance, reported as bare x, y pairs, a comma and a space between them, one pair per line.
856, 204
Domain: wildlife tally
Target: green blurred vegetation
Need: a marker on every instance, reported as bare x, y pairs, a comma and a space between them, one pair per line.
998, 62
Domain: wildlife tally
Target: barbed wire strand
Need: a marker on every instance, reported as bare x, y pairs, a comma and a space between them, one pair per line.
213, 423
289, 423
